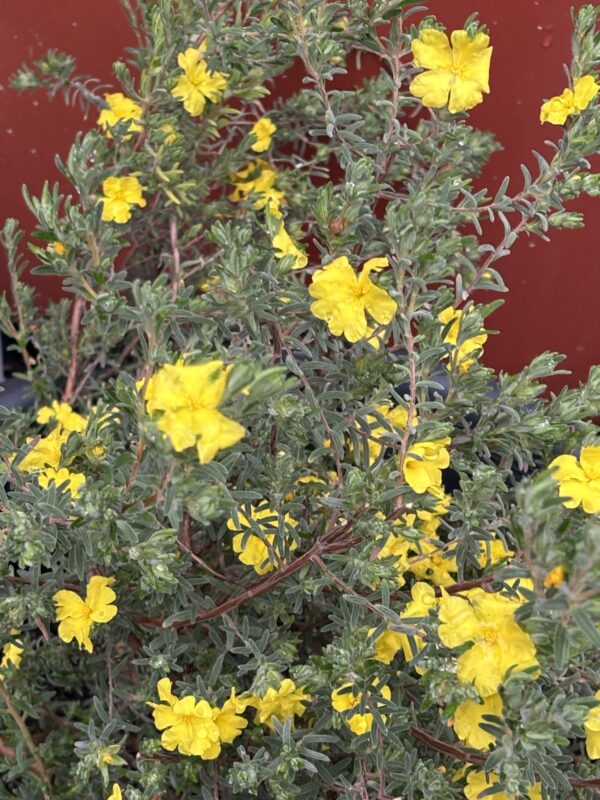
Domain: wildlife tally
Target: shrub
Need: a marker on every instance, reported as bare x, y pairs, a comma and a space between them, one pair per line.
271, 527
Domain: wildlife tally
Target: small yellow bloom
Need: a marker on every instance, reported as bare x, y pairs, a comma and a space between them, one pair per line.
262, 130
343, 298
423, 464
119, 195
455, 75
555, 577
252, 550
592, 731
396, 419
285, 246
469, 716
498, 643
471, 348
433, 564
120, 108
228, 719
197, 84
342, 700
579, 479
478, 782
46, 453
76, 616
188, 397
283, 703
169, 132
258, 179
74, 480
12, 653
63, 415
188, 725
571, 102
57, 247
116, 793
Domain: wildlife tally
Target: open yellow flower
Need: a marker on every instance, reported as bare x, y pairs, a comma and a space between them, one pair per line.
469, 716
263, 131
498, 643
579, 479
342, 700
478, 782
571, 102
258, 179
433, 563
423, 464
197, 84
46, 452
390, 642
252, 550
188, 725
343, 298
285, 246
283, 703
120, 194
592, 731
74, 480
457, 75
76, 615
120, 108
228, 719
188, 397
467, 350
62, 414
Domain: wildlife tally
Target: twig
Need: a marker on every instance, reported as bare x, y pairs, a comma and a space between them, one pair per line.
76, 314
176, 259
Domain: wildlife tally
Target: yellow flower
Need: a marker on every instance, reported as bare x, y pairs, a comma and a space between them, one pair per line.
498, 643
76, 616
469, 716
169, 132
390, 642
455, 75
342, 700
423, 465
228, 719
262, 130
478, 782
188, 397
188, 725
46, 453
120, 108
59, 476
470, 348
433, 565
116, 793
343, 298
285, 246
197, 84
571, 102
258, 179
493, 552
396, 419
57, 247
282, 703
63, 415
592, 731
579, 479
119, 195
398, 547
12, 652
555, 577
252, 550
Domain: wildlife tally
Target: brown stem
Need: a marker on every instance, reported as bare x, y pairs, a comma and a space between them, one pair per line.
76, 314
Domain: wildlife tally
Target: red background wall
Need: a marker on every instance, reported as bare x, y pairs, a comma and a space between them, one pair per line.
554, 300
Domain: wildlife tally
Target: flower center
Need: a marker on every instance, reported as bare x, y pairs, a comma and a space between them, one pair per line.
490, 636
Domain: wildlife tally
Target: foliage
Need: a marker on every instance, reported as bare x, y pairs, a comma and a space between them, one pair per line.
351, 523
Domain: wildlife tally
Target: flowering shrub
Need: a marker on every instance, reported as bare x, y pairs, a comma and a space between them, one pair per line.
271, 527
